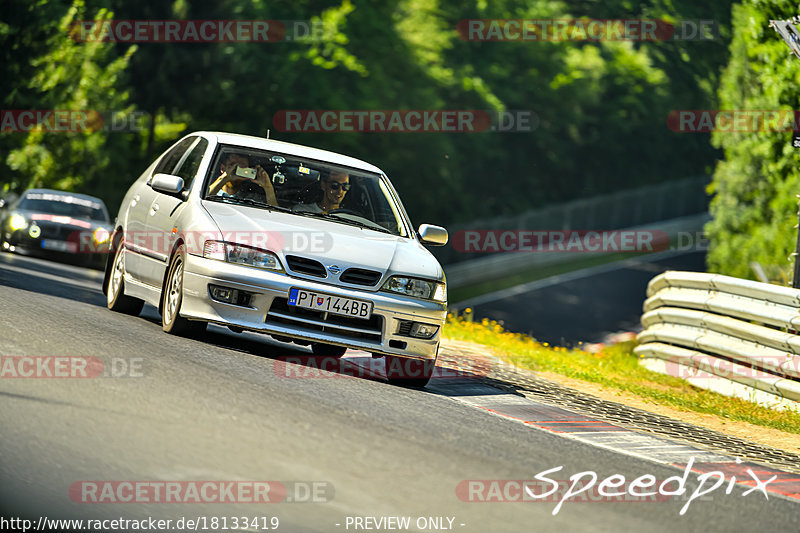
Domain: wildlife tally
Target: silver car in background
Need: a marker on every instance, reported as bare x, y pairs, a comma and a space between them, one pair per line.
264, 252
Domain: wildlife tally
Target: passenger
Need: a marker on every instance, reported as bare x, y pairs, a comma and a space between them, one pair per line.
229, 183
334, 188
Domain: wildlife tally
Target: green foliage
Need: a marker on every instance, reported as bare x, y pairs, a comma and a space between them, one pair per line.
78, 77
601, 107
754, 205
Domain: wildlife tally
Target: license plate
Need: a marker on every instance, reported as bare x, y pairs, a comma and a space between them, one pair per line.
331, 304
59, 246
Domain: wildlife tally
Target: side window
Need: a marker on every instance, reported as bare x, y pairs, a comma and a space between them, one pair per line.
171, 159
188, 169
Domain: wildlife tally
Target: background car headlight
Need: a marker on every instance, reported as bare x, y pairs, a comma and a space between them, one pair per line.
100, 235
17, 222
241, 255
418, 288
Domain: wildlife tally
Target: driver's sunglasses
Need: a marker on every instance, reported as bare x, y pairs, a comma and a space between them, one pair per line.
335, 185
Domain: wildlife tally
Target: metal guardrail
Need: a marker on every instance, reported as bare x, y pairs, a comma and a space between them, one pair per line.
501, 265
630, 208
715, 328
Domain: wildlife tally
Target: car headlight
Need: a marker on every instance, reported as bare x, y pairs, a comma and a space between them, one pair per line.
241, 255
100, 235
418, 288
17, 222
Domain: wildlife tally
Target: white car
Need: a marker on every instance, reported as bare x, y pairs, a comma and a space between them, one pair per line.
306, 245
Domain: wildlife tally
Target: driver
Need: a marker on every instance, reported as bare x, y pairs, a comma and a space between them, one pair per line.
230, 184
334, 187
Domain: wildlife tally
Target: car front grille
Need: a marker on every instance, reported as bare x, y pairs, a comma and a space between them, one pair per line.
59, 232
360, 276
281, 313
303, 265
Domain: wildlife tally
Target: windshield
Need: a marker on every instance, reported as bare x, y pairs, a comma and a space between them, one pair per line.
64, 205
307, 188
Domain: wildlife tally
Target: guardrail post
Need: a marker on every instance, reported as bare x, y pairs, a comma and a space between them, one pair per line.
796, 275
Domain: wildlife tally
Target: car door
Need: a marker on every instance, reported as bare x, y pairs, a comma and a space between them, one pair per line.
145, 247
164, 210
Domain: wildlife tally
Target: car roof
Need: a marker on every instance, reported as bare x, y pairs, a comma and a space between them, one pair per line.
64, 193
298, 150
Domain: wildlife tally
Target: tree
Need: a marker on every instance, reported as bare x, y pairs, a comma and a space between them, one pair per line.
754, 207
86, 78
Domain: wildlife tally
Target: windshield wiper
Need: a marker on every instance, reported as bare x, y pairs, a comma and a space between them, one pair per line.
247, 201
374, 226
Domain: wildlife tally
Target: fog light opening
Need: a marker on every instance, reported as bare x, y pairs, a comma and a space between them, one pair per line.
228, 295
423, 331
418, 330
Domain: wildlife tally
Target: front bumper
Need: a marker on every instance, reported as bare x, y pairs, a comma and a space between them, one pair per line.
47, 245
267, 311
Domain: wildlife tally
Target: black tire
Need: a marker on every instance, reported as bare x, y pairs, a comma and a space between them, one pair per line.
116, 299
407, 372
327, 350
171, 300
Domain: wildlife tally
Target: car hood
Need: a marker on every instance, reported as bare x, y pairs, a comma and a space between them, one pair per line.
327, 242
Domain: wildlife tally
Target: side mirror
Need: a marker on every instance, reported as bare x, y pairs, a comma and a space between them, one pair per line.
433, 235
167, 183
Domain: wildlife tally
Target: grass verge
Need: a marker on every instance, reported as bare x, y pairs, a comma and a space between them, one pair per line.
615, 367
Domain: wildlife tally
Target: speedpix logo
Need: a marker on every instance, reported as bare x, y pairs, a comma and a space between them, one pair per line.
588, 487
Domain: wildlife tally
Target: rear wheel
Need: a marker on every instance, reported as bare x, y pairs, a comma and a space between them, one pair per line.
408, 372
327, 350
171, 300
116, 300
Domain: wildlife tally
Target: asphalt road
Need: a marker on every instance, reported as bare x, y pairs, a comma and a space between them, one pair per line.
583, 306
222, 408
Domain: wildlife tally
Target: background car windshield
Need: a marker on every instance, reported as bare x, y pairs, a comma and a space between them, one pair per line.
299, 186
63, 205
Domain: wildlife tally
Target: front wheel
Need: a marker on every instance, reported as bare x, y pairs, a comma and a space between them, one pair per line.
409, 372
116, 299
171, 299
